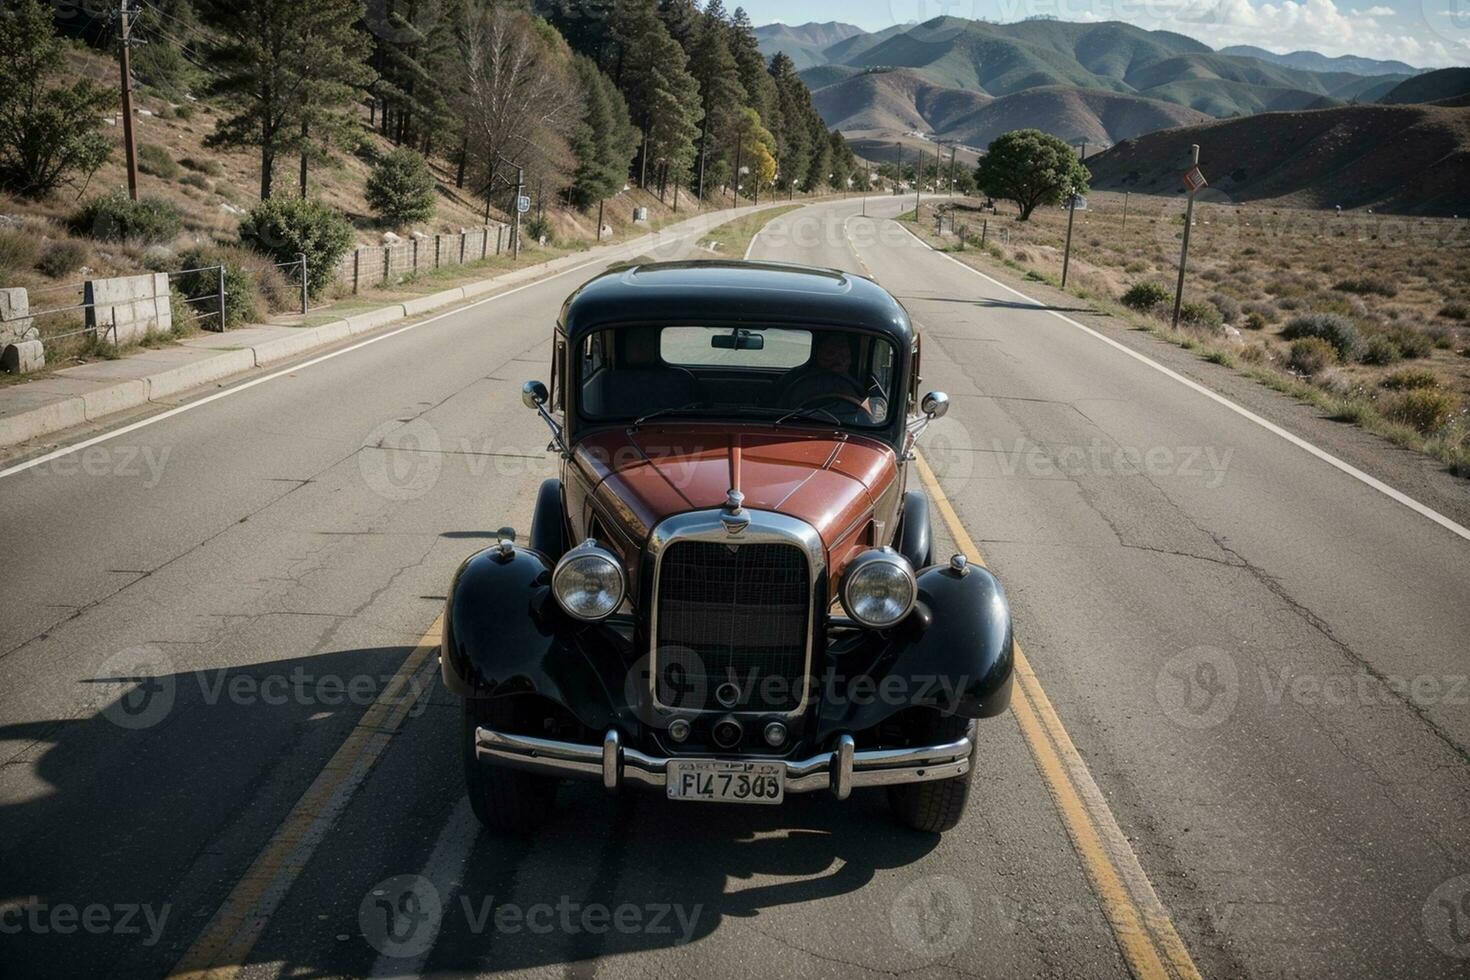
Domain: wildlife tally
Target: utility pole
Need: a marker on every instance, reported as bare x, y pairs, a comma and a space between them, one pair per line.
918, 172
1071, 214
867, 184
952, 148
1188, 222
703, 144
125, 29
515, 235
735, 180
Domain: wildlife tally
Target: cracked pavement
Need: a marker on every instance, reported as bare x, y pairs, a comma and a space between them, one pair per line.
1256, 656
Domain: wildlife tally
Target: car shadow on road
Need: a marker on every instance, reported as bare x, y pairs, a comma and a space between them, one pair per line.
675, 872
158, 794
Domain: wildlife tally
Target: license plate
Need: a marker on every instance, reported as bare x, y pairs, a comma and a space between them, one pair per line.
726, 782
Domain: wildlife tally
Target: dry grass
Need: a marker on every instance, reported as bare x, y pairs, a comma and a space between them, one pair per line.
1401, 284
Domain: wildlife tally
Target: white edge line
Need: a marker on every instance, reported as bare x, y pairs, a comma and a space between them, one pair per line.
443, 870
1269, 426
236, 389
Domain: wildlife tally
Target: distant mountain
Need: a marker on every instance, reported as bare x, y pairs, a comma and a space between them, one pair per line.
1312, 61
1406, 158
1434, 86
906, 101
804, 43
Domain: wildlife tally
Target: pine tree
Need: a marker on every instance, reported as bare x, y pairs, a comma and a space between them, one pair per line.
663, 98
760, 90
257, 76
416, 51
793, 133
604, 143
722, 95
331, 65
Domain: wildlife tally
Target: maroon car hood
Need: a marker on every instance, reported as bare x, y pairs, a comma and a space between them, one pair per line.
828, 479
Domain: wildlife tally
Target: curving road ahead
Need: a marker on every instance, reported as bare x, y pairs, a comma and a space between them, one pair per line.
1259, 660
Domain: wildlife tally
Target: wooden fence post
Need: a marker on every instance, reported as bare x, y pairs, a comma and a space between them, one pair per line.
356, 267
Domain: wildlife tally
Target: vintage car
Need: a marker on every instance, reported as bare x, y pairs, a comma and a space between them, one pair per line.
729, 594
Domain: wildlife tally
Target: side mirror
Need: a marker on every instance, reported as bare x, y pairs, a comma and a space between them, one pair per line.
534, 394
935, 404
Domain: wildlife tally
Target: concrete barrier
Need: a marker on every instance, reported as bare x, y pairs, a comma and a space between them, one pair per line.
301, 341
15, 320
127, 308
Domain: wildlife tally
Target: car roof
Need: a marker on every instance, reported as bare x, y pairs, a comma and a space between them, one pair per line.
723, 292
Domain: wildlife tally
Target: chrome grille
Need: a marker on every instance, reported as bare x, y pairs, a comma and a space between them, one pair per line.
732, 613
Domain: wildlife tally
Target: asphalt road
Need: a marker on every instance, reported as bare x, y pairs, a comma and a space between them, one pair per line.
1261, 659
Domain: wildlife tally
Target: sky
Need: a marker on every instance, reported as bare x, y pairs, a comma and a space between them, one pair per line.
1424, 33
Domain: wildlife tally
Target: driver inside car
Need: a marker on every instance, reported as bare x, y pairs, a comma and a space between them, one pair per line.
827, 382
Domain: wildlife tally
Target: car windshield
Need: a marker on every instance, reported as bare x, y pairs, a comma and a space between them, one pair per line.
783, 373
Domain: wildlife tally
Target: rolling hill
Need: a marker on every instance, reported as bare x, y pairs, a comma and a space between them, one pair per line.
1312, 61
1434, 86
805, 43
906, 101
1405, 158
1005, 59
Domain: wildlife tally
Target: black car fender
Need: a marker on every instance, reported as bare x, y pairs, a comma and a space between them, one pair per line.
955, 652
504, 634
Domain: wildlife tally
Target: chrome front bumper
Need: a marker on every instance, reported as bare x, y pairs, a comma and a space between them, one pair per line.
617, 765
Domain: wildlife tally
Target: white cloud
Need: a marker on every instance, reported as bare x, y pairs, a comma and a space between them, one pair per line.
1317, 25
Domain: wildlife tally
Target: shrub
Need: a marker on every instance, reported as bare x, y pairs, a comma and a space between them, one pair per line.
400, 190
1265, 311
1338, 331
1425, 409
1366, 285
537, 227
1379, 350
1408, 379
156, 160
1311, 355
62, 258
1145, 296
1254, 321
253, 285
1289, 303
1201, 314
286, 227
209, 167
1411, 343
1455, 311
1228, 307
195, 180
17, 250
115, 218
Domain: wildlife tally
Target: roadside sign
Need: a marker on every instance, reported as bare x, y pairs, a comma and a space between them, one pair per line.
1078, 202
1193, 179
523, 204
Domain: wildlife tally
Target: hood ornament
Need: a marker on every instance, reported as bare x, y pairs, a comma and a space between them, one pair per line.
733, 516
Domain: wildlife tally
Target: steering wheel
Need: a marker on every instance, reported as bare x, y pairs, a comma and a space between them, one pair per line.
855, 391
834, 396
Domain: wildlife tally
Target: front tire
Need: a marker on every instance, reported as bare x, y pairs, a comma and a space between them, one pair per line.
505, 800
936, 806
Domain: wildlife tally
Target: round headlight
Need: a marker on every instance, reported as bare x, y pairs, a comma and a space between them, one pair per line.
878, 589
588, 582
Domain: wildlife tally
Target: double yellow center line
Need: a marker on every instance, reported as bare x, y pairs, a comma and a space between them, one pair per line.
1145, 934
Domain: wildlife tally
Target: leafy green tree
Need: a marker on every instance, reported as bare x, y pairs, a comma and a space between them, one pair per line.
401, 188
49, 134
1031, 168
285, 228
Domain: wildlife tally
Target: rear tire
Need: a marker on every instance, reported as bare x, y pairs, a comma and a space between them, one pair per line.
505, 800
936, 806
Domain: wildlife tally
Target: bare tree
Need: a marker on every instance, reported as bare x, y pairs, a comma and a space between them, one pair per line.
520, 104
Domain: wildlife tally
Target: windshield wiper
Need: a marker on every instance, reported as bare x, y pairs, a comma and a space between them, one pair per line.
810, 414
671, 410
